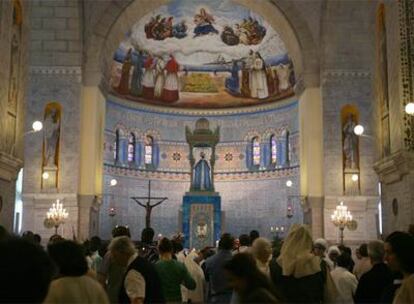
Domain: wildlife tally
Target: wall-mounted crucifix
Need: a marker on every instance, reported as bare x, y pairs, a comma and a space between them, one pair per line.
147, 205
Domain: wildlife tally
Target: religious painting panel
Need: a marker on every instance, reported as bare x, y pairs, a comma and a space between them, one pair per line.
204, 54
201, 225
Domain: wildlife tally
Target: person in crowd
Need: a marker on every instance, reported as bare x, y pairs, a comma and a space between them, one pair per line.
37, 238
262, 252
254, 234
345, 282
372, 283
298, 274
111, 274
196, 295
4, 234
244, 242
148, 248
346, 249
94, 245
248, 282
72, 285
319, 249
172, 273
399, 254
25, 271
55, 238
203, 255
141, 283
363, 264
219, 289
333, 253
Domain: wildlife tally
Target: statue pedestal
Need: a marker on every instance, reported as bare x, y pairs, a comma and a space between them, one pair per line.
201, 219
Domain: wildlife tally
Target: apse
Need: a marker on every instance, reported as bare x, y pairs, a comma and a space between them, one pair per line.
193, 68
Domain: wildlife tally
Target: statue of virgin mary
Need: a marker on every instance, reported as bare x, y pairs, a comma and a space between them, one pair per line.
202, 178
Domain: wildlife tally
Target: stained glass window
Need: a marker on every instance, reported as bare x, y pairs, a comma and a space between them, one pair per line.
131, 148
148, 150
116, 146
273, 150
256, 151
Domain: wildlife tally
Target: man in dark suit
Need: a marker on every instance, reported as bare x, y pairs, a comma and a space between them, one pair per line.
374, 282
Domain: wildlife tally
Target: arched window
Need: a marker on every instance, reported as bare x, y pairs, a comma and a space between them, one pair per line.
149, 149
273, 150
116, 146
256, 151
288, 148
131, 148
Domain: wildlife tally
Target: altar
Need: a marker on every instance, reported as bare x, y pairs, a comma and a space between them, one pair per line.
202, 205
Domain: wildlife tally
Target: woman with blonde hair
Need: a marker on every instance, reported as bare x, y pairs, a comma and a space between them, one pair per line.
298, 274
262, 252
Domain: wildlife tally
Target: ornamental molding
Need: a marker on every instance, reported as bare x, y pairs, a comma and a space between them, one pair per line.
57, 70
394, 167
340, 73
9, 167
272, 106
185, 176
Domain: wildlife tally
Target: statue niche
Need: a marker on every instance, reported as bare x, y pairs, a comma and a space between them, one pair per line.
51, 145
350, 151
204, 141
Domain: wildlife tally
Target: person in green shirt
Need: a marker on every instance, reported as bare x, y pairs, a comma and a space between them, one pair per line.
172, 273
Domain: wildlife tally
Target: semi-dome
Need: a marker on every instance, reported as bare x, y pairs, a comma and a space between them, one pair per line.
208, 54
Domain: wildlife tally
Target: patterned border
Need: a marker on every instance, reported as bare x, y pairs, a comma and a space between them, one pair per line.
406, 16
185, 176
277, 105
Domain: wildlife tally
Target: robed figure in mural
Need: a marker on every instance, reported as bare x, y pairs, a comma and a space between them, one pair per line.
148, 82
258, 79
171, 87
350, 144
202, 175
159, 78
232, 83
51, 136
136, 82
123, 87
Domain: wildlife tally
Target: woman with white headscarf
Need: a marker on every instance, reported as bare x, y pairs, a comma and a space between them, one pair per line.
262, 252
298, 274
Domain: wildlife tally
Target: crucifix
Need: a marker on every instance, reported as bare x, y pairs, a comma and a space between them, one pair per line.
147, 205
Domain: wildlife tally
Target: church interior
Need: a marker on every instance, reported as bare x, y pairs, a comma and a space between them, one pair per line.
198, 118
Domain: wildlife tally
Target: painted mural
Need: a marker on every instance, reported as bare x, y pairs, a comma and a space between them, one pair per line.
202, 54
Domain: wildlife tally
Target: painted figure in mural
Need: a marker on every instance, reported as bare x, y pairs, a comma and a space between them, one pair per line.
123, 87
283, 72
350, 144
245, 89
258, 81
229, 37
171, 87
179, 30
51, 136
136, 82
148, 81
159, 78
232, 82
204, 24
202, 175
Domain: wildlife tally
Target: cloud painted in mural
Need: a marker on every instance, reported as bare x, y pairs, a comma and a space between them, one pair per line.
202, 54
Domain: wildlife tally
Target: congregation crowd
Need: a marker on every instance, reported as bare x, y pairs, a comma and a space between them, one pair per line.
249, 269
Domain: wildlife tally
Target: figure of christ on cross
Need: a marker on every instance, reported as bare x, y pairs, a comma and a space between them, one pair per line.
147, 205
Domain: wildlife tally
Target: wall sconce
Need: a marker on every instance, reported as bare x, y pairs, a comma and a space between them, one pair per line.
409, 108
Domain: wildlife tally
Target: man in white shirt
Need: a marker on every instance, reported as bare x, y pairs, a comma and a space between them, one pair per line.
345, 282
141, 283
